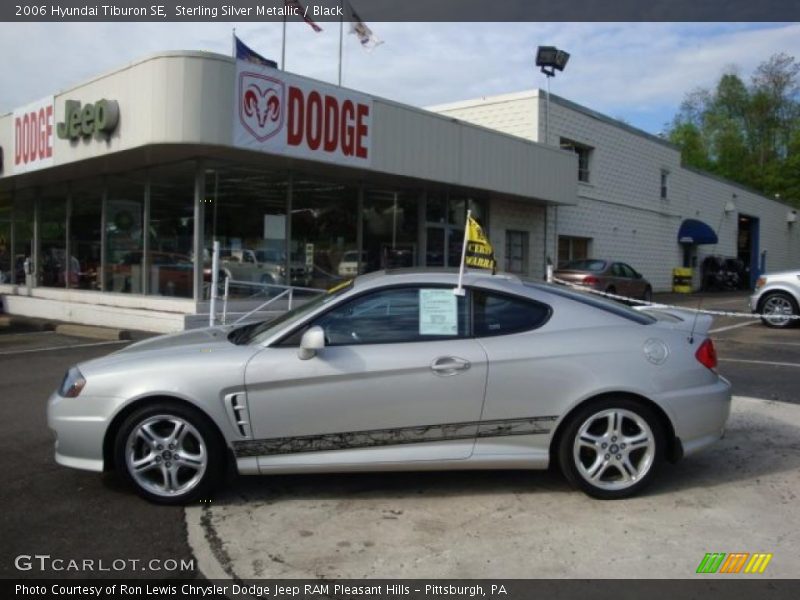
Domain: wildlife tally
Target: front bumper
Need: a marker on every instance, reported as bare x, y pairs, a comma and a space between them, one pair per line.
80, 426
753, 303
699, 415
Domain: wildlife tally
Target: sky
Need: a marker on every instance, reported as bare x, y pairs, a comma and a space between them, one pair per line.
637, 72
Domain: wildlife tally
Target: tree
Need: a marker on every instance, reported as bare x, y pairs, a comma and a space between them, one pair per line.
746, 133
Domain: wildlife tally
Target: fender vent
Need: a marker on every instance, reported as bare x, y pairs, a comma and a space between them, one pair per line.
236, 407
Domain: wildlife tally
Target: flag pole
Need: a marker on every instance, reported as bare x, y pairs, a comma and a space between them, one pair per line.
283, 46
341, 37
459, 291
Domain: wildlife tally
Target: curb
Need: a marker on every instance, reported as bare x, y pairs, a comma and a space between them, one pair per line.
92, 331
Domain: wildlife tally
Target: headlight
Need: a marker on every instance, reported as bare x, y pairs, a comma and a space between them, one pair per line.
73, 384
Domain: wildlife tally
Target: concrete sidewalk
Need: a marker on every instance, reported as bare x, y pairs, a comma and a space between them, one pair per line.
740, 495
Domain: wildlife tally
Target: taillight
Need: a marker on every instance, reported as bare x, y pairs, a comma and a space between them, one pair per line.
590, 280
707, 355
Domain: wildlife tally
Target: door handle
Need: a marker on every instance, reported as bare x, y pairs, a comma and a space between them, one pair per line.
449, 365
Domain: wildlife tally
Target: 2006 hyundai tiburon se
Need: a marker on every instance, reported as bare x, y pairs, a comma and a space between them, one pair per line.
395, 371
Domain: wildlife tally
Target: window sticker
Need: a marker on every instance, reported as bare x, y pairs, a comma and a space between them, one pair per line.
438, 312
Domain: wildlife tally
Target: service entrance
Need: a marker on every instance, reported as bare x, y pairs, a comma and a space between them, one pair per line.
747, 248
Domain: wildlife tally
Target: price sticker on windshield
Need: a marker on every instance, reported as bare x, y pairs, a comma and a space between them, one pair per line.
438, 312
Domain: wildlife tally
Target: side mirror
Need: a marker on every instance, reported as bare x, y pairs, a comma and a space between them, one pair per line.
312, 340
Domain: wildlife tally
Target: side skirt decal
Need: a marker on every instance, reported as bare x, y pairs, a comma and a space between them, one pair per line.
391, 437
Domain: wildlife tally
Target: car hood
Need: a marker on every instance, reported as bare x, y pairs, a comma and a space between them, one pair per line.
206, 336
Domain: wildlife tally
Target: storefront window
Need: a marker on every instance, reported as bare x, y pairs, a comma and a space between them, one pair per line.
124, 233
324, 226
245, 211
171, 231
55, 267
85, 228
23, 233
390, 233
6, 251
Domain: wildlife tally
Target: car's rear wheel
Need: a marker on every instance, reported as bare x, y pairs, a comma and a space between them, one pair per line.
169, 453
612, 448
778, 307
648, 294
611, 290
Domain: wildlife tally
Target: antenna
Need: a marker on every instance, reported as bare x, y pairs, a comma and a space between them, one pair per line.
694, 322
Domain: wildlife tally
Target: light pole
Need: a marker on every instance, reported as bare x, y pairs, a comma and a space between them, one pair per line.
550, 58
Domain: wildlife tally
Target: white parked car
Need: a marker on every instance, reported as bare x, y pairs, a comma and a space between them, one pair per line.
777, 296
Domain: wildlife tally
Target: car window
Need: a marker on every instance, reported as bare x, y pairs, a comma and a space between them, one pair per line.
500, 314
616, 270
595, 266
395, 315
628, 271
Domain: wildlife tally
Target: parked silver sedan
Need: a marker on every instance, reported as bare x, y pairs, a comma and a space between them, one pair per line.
395, 371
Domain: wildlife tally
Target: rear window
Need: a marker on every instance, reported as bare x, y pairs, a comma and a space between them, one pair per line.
500, 314
585, 265
596, 302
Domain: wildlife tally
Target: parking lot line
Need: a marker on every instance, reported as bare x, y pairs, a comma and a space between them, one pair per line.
63, 347
729, 327
760, 362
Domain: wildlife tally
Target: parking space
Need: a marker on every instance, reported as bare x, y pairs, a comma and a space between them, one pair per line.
737, 496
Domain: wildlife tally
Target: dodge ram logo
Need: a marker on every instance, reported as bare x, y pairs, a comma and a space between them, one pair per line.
261, 101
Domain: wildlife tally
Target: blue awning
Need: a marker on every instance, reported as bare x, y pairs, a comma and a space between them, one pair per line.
693, 231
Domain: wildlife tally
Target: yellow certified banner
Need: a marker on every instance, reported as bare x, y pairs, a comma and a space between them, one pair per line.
480, 254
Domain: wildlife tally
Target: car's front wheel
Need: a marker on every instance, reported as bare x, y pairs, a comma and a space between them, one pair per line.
612, 448
777, 307
170, 453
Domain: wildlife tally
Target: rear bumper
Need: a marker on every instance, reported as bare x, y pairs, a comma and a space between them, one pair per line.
699, 415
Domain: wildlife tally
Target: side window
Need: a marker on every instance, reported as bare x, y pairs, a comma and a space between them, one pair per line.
628, 271
395, 316
617, 271
499, 314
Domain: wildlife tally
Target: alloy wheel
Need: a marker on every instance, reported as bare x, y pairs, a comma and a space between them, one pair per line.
614, 449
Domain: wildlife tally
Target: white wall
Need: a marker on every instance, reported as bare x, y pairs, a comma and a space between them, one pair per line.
620, 207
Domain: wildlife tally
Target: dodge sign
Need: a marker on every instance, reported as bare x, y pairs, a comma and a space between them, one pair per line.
280, 113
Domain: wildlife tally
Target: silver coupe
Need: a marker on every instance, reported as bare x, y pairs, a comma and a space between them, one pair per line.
400, 371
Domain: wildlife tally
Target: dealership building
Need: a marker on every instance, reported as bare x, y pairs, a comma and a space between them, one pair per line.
113, 191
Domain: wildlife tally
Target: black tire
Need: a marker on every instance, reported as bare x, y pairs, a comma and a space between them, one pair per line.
611, 483
611, 290
782, 298
648, 294
201, 439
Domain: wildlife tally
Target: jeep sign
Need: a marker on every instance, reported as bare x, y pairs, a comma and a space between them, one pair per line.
33, 136
98, 119
280, 113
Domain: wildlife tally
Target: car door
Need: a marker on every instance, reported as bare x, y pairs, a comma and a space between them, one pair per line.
399, 380
635, 285
527, 383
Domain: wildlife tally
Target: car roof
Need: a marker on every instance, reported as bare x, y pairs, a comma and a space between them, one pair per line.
447, 276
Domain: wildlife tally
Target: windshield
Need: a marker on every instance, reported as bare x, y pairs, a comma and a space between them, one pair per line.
594, 266
256, 333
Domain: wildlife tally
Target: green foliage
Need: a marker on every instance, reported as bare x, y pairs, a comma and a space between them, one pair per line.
746, 133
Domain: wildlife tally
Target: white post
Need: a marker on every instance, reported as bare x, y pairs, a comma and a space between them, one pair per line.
283, 46
225, 301
459, 291
341, 38
212, 309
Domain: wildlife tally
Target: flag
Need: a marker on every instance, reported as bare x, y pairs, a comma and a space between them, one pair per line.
479, 253
364, 34
246, 53
299, 10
